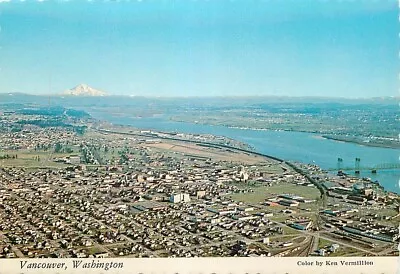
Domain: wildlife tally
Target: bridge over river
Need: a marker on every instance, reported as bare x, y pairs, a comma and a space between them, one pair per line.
358, 167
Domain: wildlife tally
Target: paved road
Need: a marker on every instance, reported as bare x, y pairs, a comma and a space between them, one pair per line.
315, 242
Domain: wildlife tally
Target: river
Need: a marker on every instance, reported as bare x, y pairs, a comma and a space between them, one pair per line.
288, 145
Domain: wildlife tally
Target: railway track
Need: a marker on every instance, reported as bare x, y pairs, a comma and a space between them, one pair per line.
307, 249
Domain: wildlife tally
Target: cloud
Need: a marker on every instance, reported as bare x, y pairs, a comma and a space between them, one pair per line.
5, 1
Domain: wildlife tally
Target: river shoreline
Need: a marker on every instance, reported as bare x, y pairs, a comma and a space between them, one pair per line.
359, 142
318, 134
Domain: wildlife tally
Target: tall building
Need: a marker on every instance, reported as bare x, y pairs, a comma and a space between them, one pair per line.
179, 198
243, 175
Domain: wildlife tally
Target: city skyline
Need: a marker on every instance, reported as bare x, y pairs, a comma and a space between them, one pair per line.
201, 48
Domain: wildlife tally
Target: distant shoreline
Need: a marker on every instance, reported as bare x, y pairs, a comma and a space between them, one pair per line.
351, 140
328, 137
359, 142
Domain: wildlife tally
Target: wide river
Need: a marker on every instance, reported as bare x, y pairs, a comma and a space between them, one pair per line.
287, 145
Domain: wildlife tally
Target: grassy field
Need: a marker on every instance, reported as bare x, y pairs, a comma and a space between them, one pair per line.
290, 231
271, 168
344, 252
262, 192
323, 243
31, 158
26, 158
94, 250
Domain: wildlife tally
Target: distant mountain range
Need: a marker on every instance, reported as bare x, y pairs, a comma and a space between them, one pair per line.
84, 90
83, 94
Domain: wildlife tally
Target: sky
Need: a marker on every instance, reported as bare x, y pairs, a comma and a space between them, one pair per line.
333, 48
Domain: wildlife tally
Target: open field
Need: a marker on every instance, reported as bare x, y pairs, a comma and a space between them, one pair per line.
290, 231
217, 154
324, 243
345, 251
263, 192
30, 158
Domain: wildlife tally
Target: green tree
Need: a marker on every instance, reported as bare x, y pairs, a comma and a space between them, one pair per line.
57, 148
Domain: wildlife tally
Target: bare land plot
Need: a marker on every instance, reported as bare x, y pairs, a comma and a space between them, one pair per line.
214, 153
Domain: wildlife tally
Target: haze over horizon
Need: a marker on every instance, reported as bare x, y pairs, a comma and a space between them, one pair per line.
216, 96
201, 48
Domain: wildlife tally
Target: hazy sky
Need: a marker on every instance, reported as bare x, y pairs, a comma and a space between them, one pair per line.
187, 47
